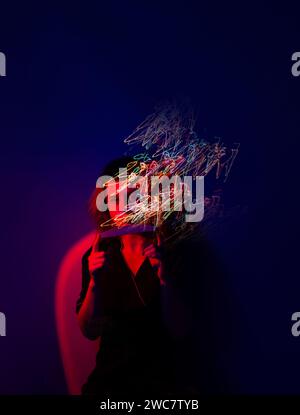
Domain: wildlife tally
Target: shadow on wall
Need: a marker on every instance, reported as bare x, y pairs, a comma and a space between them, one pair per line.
78, 354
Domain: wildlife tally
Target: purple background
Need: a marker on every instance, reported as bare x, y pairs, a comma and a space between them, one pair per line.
79, 79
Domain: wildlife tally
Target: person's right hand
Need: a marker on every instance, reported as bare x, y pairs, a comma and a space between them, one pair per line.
97, 258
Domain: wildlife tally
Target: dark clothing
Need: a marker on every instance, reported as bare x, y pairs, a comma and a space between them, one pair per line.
137, 352
156, 347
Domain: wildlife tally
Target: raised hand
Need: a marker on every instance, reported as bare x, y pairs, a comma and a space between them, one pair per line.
154, 252
97, 258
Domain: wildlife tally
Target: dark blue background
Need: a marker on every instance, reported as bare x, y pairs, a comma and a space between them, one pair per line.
80, 77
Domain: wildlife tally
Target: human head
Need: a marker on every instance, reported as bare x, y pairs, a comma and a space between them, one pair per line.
105, 219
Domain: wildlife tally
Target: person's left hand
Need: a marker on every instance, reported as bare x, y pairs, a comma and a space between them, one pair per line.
154, 252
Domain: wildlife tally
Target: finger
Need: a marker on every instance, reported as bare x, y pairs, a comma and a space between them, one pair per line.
95, 258
96, 243
149, 248
152, 253
95, 265
96, 255
158, 239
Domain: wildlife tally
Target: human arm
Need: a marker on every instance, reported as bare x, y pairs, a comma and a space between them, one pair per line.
89, 311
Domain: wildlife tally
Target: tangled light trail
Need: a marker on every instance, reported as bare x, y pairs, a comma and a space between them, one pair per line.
166, 144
